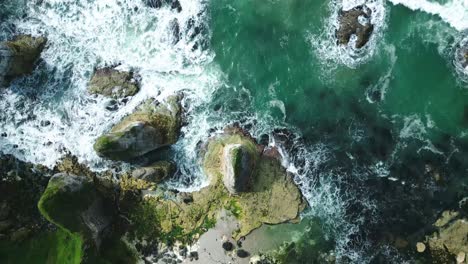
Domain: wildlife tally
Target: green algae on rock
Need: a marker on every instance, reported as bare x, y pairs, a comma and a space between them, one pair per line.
46, 247
113, 83
78, 207
18, 56
273, 198
153, 125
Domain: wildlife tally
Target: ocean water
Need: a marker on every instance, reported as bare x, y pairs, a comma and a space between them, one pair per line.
358, 129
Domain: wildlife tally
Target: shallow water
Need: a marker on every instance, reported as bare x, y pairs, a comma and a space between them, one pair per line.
366, 123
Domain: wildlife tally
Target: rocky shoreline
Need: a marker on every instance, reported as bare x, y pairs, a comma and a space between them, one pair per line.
135, 214
132, 212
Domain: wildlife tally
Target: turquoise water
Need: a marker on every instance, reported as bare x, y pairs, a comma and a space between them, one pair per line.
357, 128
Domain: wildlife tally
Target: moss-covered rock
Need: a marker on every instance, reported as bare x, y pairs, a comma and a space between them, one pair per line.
355, 22
18, 56
73, 203
113, 83
153, 125
273, 198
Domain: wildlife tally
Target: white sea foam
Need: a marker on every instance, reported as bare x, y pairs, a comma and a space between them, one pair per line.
454, 12
459, 57
85, 34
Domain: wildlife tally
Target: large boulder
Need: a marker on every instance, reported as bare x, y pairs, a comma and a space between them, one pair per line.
18, 56
239, 162
113, 83
355, 22
153, 125
73, 203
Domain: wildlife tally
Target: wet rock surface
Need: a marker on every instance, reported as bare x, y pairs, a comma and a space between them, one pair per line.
451, 237
18, 56
113, 83
153, 125
73, 203
355, 22
156, 172
173, 4
21, 185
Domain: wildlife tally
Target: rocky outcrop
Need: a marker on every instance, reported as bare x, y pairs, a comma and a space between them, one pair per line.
156, 172
72, 203
113, 83
153, 125
273, 197
18, 56
355, 22
451, 238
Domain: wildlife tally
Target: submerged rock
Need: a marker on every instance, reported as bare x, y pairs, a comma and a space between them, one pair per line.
18, 56
464, 55
355, 22
173, 4
153, 125
113, 83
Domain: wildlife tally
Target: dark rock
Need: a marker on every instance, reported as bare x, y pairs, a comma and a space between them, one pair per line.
264, 139
193, 255
45, 123
155, 173
350, 24
5, 225
242, 253
4, 134
174, 29
18, 57
111, 105
187, 198
228, 246
20, 234
174, 4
